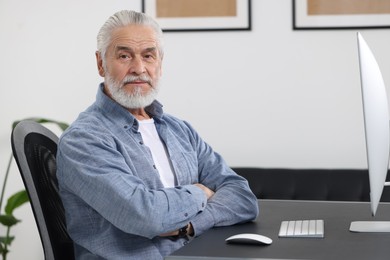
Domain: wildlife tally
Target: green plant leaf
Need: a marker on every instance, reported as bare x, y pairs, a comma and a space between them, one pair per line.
16, 200
6, 240
8, 220
3, 249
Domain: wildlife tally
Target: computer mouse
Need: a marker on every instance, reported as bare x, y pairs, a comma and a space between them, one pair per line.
248, 238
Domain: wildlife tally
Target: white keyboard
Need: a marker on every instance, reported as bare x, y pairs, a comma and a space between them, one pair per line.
302, 228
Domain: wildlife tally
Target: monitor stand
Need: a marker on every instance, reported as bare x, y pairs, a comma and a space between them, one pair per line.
370, 226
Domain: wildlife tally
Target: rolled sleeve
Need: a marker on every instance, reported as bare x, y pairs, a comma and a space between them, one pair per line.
192, 197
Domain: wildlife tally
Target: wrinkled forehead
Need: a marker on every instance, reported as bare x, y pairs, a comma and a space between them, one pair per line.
134, 37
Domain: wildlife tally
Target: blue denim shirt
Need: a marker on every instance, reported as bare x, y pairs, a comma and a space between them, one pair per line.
116, 206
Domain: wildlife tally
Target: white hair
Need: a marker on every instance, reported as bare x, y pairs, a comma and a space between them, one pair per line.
122, 19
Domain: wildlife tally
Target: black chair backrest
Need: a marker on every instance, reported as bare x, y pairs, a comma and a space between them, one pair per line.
35, 148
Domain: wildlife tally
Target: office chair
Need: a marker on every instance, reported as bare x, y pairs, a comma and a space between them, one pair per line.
34, 148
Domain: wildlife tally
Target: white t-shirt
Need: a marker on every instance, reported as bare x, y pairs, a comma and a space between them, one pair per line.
159, 152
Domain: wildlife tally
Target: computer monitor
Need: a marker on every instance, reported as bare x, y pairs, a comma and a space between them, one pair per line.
377, 133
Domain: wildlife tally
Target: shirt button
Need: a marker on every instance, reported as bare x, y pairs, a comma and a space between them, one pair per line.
141, 143
154, 166
202, 204
185, 214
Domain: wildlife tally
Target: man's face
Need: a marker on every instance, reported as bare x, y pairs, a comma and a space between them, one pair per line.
133, 66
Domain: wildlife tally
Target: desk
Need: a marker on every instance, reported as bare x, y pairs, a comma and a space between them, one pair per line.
339, 242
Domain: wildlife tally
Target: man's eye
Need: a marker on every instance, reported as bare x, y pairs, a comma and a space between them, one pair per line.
149, 56
124, 56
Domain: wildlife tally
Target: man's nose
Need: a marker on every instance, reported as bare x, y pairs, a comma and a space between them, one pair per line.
137, 66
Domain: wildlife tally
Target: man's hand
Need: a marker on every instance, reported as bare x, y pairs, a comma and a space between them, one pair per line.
209, 193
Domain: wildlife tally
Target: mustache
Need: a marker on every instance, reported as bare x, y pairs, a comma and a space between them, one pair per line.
131, 79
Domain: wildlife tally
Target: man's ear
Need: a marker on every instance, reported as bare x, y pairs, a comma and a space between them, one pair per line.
99, 62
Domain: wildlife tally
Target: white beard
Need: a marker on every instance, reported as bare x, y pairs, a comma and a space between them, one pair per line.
135, 99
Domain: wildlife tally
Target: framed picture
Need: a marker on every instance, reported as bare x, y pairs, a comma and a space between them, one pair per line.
200, 15
341, 14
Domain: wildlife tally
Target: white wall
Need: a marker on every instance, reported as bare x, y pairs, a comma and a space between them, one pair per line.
270, 97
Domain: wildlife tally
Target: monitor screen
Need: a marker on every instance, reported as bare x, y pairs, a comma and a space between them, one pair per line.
377, 132
376, 121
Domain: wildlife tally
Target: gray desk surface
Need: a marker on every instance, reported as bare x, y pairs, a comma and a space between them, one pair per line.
339, 242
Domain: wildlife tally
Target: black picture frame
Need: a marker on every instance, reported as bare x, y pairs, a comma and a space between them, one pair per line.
303, 21
242, 22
